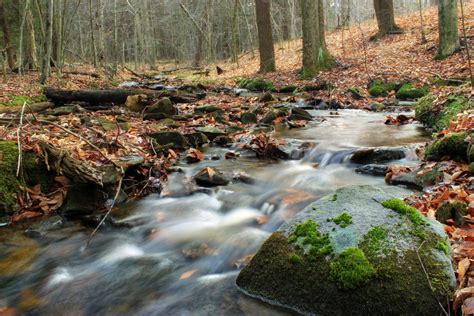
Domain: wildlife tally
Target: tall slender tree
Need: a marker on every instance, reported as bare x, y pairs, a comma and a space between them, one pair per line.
48, 44
6, 36
385, 19
316, 56
265, 37
448, 28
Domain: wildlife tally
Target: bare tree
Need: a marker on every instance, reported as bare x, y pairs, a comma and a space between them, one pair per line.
265, 37
316, 56
448, 28
10, 50
385, 19
48, 44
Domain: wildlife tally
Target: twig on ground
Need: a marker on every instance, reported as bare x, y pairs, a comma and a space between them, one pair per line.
81, 138
119, 188
18, 168
427, 276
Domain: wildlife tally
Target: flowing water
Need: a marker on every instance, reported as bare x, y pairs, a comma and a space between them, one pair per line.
182, 255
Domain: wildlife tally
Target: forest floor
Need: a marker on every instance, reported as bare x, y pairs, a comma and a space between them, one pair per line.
395, 58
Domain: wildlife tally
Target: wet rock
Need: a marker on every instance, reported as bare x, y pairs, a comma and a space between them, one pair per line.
43, 227
453, 145
330, 258
377, 107
373, 170
81, 199
209, 109
210, 131
269, 118
222, 140
266, 97
209, 177
244, 178
172, 139
300, 114
248, 118
376, 155
66, 110
178, 185
196, 139
127, 162
162, 109
136, 103
416, 180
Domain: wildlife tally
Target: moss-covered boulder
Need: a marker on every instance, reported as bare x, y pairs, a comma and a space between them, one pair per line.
355, 252
438, 115
256, 84
31, 173
453, 145
379, 88
408, 92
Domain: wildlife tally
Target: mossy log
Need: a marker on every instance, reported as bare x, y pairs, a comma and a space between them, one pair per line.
62, 163
32, 108
111, 97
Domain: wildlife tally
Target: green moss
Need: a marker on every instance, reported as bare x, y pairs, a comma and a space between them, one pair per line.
351, 269
430, 178
295, 259
408, 92
375, 241
343, 220
256, 84
307, 237
356, 92
403, 209
443, 246
452, 210
334, 197
438, 117
288, 89
451, 145
379, 88
471, 167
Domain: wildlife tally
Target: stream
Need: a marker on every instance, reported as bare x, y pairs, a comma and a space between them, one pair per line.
182, 254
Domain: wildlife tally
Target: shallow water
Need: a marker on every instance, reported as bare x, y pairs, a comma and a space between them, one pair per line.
183, 254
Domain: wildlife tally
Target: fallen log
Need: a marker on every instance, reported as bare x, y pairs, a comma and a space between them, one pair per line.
32, 108
114, 97
62, 163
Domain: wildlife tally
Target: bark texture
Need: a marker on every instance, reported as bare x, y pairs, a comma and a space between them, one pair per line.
385, 19
265, 37
316, 56
6, 36
448, 28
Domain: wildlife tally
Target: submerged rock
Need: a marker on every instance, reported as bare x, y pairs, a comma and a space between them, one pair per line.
373, 170
355, 252
374, 155
209, 177
300, 114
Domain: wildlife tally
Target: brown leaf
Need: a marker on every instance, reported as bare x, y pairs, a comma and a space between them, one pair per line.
463, 266
187, 274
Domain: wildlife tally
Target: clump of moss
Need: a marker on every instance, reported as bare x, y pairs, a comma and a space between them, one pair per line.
408, 92
294, 258
288, 89
443, 246
343, 220
9, 184
375, 241
334, 197
452, 210
351, 269
439, 116
356, 93
452, 145
379, 88
471, 167
256, 84
306, 234
325, 85
431, 177
403, 209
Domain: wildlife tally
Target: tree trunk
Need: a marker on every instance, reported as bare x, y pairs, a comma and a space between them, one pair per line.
316, 57
385, 19
448, 28
30, 52
265, 37
48, 44
6, 36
